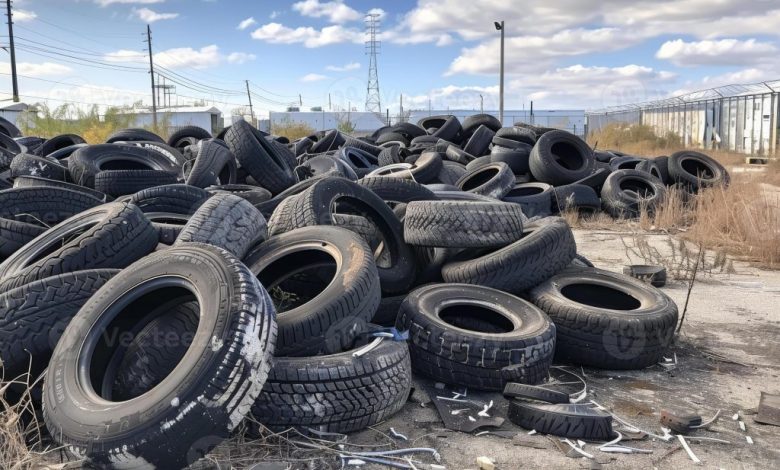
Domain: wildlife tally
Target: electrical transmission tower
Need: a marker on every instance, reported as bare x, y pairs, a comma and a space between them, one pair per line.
372, 50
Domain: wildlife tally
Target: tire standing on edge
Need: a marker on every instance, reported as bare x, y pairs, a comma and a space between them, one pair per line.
200, 401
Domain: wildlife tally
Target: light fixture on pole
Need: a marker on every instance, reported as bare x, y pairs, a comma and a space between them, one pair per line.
500, 27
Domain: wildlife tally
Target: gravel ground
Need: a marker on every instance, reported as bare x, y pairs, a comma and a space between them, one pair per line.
728, 352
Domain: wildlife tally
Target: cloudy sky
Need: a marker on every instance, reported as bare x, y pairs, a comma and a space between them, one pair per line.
570, 54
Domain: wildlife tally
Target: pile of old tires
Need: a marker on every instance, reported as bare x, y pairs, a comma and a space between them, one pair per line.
174, 288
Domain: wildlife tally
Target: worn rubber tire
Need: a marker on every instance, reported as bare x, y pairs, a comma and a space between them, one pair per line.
518, 134
212, 163
31, 165
173, 198
112, 235
662, 163
547, 248
458, 224
39, 182
450, 173
216, 382
33, 316
576, 197
187, 135
336, 393
8, 128
533, 392
560, 157
516, 158
85, 163
604, 332
479, 142
473, 122
695, 170
60, 142
331, 319
264, 161
626, 192
452, 344
254, 194
227, 221
315, 206
493, 180
596, 179
575, 421
25, 213
134, 135
117, 183
397, 189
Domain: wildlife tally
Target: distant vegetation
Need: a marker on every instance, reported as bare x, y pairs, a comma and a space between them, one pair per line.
94, 127
292, 130
635, 139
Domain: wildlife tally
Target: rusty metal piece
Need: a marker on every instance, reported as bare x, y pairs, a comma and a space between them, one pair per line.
768, 409
681, 423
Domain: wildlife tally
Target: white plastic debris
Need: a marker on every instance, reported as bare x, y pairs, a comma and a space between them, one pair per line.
688, 450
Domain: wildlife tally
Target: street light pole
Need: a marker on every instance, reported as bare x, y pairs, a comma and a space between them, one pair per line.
481, 104
500, 27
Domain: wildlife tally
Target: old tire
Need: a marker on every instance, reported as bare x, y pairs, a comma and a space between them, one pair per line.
546, 248
560, 157
338, 303
493, 180
263, 160
216, 382
476, 337
226, 221
462, 224
607, 320
627, 192
112, 235
336, 393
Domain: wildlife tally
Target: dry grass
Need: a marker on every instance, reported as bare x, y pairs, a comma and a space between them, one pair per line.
292, 130
22, 443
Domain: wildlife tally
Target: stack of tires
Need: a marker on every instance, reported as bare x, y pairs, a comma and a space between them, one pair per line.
173, 288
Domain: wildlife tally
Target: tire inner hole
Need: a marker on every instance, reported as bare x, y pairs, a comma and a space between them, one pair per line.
476, 318
479, 178
697, 168
144, 343
297, 278
525, 191
567, 155
641, 188
599, 296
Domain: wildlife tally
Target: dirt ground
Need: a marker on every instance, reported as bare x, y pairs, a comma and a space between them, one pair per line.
728, 352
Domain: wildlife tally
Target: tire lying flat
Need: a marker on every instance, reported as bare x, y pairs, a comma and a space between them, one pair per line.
607, 320
476, 337
336, 393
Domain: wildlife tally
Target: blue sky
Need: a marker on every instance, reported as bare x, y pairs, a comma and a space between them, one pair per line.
559, 53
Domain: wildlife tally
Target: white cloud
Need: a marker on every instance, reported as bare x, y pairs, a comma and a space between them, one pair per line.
103, 3
43, 69
276, 33
246, 23
313, 77
343, 68
205, 57
150, 16
274, 14
381, 14
240, 57
336, 11
716, 52
21, 16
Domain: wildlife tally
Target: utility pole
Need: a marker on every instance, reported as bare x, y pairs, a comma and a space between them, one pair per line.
330, 108
251, 110
429, 107
388, 116
401, 109
500, 27
481, 104
151, 74
300, 100
12, 51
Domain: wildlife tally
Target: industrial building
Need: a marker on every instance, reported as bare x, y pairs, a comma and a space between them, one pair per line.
367, 122
738, 118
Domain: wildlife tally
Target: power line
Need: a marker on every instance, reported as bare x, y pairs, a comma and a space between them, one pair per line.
95, 87
79, 60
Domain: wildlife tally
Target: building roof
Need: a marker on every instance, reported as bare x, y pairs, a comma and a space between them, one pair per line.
14, 106
175, 109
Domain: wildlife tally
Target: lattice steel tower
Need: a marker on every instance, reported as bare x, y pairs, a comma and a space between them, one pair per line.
372, 50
